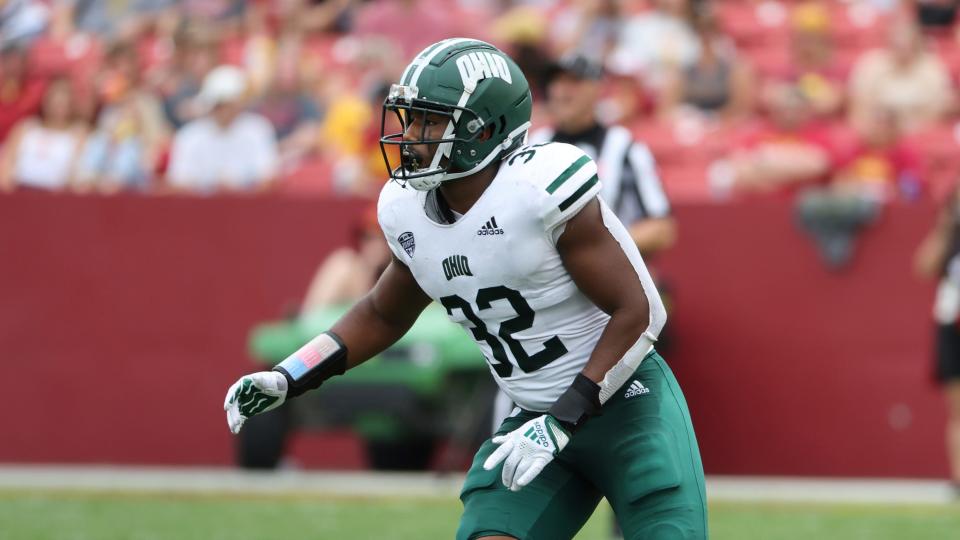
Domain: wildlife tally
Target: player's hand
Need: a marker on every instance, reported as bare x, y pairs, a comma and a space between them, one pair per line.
526, 450
253, 394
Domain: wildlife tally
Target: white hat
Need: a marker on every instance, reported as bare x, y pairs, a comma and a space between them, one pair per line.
223, 83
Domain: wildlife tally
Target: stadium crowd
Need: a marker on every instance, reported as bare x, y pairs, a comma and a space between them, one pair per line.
733, 97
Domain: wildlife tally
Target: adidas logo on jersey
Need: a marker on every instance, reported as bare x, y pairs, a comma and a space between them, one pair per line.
636, 389
490, 228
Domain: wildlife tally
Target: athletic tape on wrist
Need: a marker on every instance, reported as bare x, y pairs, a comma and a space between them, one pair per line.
578, 403
321, 358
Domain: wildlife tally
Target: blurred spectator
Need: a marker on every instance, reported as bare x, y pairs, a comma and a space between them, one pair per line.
589, 27
656, 42
110, 20
631, 185
294, 114
156, 45
350, 135
131, 130
20, 92
228, 148
938, 257
22, 21
333, 16
196, 53
41, 151
217, 13
347, 273
788, 150
522, 32
625, 100
316, 87
61, 52
936, 15
414, 24
904, 78
715, 84
880, 164
262, 50
812, 67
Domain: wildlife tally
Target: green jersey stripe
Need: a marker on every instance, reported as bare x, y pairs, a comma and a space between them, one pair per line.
579, 193
565, 175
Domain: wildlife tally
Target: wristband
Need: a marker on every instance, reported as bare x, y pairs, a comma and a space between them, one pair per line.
323, 357
579, 402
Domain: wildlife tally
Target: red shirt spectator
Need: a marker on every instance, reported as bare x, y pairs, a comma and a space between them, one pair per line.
792, 149
878, 162
20, 94
812, 65
412, 24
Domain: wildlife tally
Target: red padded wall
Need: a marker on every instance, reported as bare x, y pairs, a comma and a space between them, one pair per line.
790, 368
122, 321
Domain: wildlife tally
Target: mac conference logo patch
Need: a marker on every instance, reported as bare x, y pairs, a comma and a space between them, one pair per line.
406, 240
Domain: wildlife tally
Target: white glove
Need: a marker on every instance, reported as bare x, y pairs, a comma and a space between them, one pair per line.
253, 394
526, 450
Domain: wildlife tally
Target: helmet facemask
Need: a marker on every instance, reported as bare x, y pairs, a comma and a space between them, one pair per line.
403, 103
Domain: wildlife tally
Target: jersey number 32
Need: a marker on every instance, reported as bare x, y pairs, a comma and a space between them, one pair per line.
552, 349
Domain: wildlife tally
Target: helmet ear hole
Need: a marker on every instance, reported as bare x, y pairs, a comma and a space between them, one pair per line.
487, 133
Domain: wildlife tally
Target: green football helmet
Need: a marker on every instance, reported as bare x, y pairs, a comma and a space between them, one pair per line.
478, 89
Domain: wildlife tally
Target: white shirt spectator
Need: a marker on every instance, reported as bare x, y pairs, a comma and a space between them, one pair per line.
44, 157
21, 21
652, 43
206, 156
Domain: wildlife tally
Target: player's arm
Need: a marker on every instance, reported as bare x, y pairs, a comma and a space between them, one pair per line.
374, 323
604, 274
383, 316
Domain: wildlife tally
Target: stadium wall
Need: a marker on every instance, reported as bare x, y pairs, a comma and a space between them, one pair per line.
123, 319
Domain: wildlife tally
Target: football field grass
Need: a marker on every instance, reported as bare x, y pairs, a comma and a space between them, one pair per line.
71, 515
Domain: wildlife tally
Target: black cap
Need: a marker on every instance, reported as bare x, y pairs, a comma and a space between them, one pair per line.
577, 65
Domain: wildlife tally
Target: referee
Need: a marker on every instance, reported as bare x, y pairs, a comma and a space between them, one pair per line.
631, 186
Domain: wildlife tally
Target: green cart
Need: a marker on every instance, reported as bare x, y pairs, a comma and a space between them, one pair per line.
431, 386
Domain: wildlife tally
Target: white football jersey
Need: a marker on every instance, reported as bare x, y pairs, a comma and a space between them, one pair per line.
497, 271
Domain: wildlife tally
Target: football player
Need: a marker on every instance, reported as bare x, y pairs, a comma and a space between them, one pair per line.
515, 243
